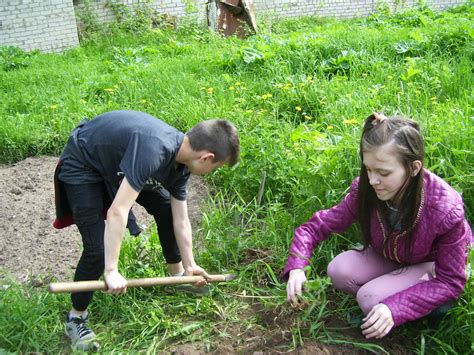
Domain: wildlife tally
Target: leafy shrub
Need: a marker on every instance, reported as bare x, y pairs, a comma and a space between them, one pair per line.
12, 58
411, 17
139, 19
450, 42
87, 20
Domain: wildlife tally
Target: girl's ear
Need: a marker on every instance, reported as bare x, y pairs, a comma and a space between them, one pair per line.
416, 166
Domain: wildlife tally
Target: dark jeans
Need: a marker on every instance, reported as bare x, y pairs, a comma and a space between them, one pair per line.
87, 205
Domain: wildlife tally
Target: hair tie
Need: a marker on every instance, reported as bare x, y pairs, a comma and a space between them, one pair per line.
378, 118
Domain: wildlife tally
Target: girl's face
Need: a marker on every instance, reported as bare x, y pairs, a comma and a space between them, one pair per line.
385, 171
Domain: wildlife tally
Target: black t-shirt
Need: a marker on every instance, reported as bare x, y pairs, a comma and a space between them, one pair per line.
125, 143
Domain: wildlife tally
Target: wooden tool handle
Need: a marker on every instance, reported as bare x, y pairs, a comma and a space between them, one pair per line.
81, 286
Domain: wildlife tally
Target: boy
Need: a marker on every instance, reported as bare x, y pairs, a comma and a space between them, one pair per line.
112, 161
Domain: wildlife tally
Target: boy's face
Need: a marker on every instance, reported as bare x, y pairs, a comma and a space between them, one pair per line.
204, 165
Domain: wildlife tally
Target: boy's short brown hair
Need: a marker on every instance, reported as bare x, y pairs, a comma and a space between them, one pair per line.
217, 136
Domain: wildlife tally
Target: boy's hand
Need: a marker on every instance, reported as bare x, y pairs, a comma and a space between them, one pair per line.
378, 322
197, 270
116, 284
295, 285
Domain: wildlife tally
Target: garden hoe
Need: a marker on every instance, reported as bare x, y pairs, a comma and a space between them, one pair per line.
82, 286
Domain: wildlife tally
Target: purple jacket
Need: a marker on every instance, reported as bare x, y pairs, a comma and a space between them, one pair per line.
441, 234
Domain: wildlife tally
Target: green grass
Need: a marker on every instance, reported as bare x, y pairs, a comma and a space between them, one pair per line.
298, 93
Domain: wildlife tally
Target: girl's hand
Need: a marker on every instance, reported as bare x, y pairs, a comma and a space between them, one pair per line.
295, 284
378, 322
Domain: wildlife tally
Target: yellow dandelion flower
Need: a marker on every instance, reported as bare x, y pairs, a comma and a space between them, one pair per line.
329, 128
307, 117
297, 108
143, 101
210, 90
53, 107
350, 121
231, 88
238, 83
266, 96
249, 111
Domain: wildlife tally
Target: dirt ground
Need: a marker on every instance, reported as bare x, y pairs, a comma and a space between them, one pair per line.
31, 250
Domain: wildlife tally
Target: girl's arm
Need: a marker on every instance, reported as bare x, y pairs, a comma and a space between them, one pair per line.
334, 220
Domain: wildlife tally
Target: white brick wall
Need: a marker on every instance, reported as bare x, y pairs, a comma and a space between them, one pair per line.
284, 8
170, 7
338, 8
50, 25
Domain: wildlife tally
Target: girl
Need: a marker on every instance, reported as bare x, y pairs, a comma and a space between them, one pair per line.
413, 227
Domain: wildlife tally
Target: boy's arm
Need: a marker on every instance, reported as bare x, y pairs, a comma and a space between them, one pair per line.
117, 217
183, 233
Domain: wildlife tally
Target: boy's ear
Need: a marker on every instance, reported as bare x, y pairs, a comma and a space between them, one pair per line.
207, 156
416, 166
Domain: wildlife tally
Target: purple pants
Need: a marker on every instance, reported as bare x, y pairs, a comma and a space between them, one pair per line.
372, 278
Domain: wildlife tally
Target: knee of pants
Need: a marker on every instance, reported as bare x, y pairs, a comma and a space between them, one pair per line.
341, 274
367, 298
93, 259
90, 267
163, 214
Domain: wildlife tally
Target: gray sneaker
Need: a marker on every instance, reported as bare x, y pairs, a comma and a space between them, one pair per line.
82, 337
